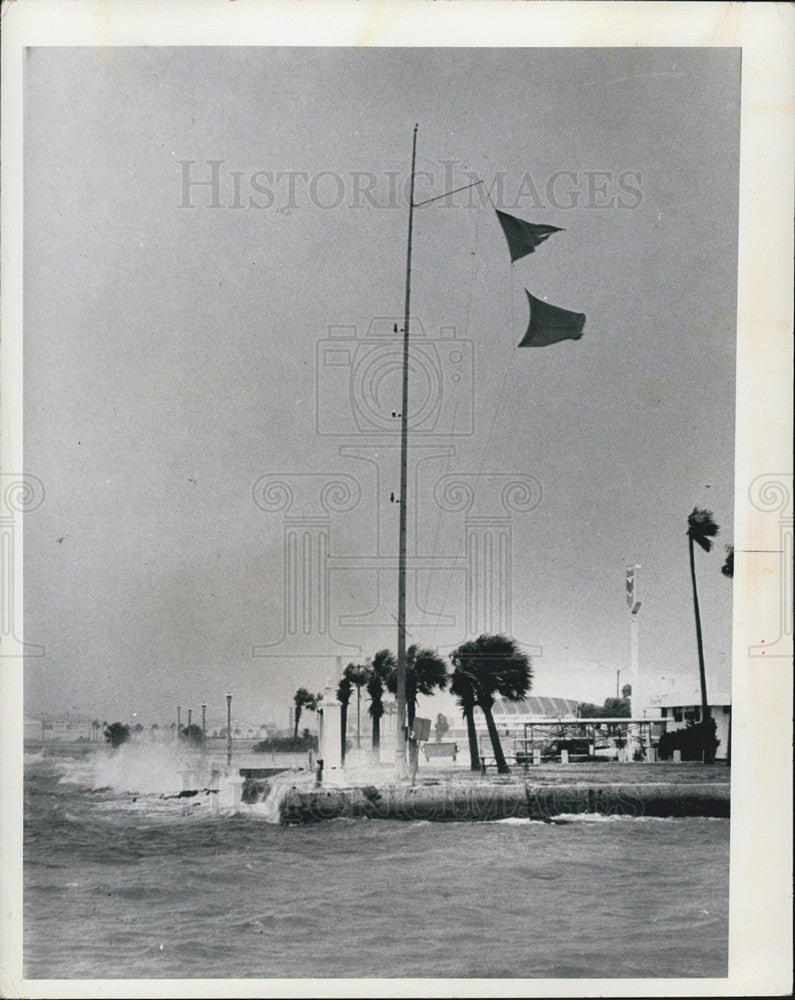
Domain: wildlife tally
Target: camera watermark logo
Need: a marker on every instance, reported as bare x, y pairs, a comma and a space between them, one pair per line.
459, 536
358, 377
19, 495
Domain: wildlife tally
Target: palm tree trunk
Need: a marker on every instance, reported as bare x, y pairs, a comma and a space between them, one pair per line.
494, 736
474, 750
705, 715
358, 718
343, 728
376, 734
297, 717
414, 747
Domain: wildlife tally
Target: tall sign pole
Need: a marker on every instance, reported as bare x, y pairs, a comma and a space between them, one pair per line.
401, 768
228, 730
633, 602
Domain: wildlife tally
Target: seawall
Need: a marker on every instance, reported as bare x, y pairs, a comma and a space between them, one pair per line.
452, 801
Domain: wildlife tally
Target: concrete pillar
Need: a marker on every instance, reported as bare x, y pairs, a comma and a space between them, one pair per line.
564, 756
215, 791
330, 740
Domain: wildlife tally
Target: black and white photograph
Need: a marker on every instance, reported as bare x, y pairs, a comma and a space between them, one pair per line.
396, 510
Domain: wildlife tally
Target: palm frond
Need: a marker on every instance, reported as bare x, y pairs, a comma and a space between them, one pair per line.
701, 527
344, 690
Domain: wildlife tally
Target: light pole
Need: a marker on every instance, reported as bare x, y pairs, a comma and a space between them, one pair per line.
228, 730
179, 720
204, 722
618, 677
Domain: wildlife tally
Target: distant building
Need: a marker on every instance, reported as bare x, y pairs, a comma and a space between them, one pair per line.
510, 716
61, 729
680, 710
32, 730
532, 708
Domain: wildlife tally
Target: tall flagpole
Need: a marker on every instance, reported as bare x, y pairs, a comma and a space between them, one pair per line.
400, 746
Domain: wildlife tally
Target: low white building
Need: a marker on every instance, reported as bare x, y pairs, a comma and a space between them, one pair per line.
680, 709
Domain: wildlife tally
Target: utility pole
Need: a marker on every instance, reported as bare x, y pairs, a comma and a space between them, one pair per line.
401, 765
400, 742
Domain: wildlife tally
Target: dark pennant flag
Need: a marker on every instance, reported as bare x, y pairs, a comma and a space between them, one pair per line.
550, 324
523, 237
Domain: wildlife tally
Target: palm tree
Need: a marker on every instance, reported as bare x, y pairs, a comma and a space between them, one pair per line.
701, 529
344, 691
376, 685
303, 699
462, 686
426, 672
728, 564
359, 674
192, 733
117, 733
494, 664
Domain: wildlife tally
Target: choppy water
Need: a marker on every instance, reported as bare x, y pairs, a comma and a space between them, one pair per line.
122, 883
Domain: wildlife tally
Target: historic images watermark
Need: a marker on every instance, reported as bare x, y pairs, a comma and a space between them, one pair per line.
217, 184
20, 494
451, 800
772, 494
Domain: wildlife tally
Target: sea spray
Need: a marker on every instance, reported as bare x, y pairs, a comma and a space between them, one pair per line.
269, 808
151, 769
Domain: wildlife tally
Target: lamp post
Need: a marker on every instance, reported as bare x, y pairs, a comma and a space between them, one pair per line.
204, 722
618, 677
179, 720
228, 730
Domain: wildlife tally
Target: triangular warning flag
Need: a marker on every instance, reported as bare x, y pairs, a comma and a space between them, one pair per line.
550, 324
523, 237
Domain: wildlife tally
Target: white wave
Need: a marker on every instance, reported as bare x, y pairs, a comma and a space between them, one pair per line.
517, 821
269, 808
606, 818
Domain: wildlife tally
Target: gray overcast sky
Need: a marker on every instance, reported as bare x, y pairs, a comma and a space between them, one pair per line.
170, 352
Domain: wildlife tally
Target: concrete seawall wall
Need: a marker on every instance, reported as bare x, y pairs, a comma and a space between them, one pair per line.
467, 802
